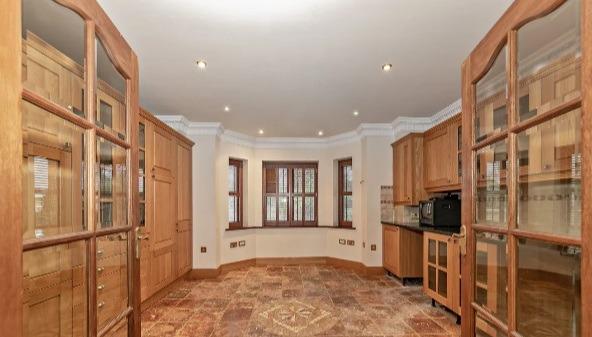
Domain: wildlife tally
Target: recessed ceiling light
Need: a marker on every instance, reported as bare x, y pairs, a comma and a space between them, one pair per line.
356, 113
261, 131
202, 64
320, 133
227, 108
387, 67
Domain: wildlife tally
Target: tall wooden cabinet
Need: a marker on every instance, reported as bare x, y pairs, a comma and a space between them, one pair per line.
407, 170
166, 251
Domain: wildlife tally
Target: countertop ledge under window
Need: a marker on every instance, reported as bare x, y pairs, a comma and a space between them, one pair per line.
287, 227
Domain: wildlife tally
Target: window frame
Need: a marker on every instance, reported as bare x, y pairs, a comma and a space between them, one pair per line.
237, 193
290, 166
341, 193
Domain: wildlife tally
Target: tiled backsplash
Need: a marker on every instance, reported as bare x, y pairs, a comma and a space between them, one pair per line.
391, 213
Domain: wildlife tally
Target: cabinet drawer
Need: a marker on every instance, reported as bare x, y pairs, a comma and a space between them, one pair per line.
110, 245
111, 296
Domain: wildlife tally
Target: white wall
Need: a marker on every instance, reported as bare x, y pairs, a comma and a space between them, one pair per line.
371, 156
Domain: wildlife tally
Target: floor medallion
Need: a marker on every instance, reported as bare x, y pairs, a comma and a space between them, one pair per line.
296, 317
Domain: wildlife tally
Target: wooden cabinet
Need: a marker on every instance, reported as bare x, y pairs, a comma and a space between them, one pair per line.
166, 252
407, 170
402, 252
442, 156
441, 269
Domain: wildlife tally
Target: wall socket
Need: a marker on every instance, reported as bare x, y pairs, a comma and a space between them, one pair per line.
372, 247
242, 243
342, 241
233, 244
203, 249
350, 242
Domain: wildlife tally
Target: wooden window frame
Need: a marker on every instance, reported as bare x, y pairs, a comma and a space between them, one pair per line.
290, 166
342, 193
238, 193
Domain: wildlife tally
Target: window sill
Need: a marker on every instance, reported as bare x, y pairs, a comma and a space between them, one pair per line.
287, 227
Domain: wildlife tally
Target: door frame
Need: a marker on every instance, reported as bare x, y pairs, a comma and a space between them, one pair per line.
475, 67
98, 24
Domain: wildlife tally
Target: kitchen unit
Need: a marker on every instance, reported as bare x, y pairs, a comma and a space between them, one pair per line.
442, 159
408, 170
402, 251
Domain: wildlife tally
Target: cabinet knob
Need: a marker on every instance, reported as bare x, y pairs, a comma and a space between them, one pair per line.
100, 287
101, 305
100, 270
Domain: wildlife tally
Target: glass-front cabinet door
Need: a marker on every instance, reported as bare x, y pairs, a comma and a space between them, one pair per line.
525, 204
77, 230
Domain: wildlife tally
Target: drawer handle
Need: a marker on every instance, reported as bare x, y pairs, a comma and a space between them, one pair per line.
99, 252
101, 304
100, 287
100, 270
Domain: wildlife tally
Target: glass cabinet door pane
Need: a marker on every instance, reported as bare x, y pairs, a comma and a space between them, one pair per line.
111, 94
486, 329
54, 284
112, 280
549, 185
432, 251
491, 274
442, 283
442, 254
53, 55
111, 176
54, 179
549, 61
491, 114
548, 290
432, 278
491, 199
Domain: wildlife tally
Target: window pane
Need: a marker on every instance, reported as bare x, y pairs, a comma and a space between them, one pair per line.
492, 274
347, 208
232, 208
549, 290
232, 178
270, 180
112, 184
298, 180
309, 180
549, 185
492, 194
283, 209
142, 214
486, 329
53, 55
54, 176
347, 178
54, 284
283, 180
309, 209
271, 208
297, 208
142, 135
111, 94
112, 281
549, 61
491, 113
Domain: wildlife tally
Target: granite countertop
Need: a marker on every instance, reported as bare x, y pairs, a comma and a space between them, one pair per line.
415, 226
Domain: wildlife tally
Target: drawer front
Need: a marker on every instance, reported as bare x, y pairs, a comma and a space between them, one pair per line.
111, 296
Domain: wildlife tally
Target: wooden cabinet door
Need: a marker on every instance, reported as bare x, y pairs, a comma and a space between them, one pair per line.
184, 207
390, 248
437, 161
163, 210
403, 172
455, 154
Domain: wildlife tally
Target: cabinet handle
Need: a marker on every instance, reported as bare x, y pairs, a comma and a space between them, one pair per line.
101, 305
100, 287
99, 252
100, 270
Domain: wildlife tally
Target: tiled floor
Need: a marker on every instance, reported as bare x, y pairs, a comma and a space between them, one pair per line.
306, 300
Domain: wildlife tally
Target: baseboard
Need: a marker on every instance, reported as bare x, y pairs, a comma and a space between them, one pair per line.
157, 296
356, 266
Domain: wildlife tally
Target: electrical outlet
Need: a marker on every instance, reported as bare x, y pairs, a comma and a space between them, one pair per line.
242, 243
364, 244
342, 241
372, 247
204, 249
233, 244
350, 242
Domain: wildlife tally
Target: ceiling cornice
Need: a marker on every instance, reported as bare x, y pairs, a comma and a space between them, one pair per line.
400, 127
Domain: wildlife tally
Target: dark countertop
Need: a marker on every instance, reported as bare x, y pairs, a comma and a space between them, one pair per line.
415, 226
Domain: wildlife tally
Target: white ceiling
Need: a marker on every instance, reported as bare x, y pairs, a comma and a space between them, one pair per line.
293, 67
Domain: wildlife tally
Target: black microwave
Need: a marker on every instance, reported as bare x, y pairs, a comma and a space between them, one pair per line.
440, 212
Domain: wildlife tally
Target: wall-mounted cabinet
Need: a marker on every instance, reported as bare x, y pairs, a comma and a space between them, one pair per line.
408, 170
442, 156
165, 204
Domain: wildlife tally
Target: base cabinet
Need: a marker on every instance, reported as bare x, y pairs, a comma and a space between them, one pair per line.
402, 252
165, 205
441, 270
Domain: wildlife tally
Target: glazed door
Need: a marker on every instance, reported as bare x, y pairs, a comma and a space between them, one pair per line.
526, 194
80, 275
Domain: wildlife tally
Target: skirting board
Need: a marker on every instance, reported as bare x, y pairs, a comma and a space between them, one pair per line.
358, 267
